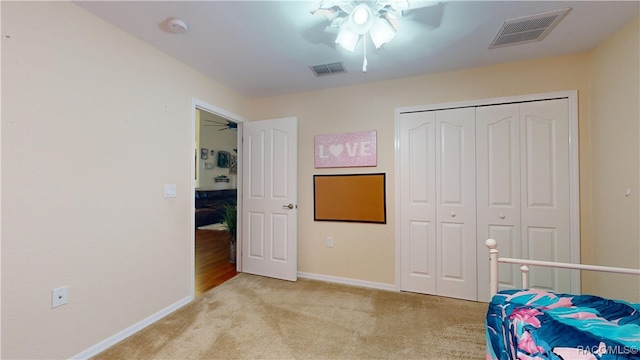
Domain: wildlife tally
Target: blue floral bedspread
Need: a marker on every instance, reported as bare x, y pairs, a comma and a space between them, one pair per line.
533, 324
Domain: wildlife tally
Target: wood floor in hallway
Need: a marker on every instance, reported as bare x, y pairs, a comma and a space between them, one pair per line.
212, 266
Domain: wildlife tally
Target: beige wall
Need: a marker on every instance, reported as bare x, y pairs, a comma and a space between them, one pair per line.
615, 152
94, 122
367, 251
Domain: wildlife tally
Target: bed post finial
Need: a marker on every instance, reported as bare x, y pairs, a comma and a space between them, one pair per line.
525, 276
493, 266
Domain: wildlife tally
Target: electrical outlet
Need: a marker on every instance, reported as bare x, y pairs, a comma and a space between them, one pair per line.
329, 241
58, 297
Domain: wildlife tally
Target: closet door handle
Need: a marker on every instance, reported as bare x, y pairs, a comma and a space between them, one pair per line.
452, 214
502, 216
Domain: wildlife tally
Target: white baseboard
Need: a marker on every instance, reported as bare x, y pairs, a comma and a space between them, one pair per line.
107, 343
347, 281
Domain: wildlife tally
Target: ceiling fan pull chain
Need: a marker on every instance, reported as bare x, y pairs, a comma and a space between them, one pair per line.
364, 63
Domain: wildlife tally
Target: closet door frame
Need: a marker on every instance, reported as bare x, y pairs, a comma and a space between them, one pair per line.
574, 178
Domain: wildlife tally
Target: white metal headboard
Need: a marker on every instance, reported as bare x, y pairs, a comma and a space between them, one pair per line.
494, 260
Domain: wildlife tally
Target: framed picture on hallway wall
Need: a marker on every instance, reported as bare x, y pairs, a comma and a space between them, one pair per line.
224, 158
233, 165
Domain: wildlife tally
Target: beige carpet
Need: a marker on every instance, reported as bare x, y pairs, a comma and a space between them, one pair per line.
252, 317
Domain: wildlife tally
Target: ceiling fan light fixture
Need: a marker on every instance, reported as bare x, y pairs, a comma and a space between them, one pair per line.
361, 18
354, 18
347, 38
381, 32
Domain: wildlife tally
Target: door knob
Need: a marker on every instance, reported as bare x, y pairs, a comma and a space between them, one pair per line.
290, 206
452, 214
502, 216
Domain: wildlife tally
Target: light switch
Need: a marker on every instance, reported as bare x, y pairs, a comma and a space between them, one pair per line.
169, 190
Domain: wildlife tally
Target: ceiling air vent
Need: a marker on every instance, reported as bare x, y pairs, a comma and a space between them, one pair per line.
527, 29
328, 69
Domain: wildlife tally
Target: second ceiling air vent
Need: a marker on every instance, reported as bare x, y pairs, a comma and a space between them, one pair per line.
328, 69
527, 29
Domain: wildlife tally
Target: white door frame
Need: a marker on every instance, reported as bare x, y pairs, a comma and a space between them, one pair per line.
574, 175
197, 104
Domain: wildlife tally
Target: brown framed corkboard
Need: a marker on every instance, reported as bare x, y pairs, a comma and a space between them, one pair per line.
350, 197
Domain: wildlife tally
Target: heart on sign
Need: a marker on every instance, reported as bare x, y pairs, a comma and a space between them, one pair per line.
336, 150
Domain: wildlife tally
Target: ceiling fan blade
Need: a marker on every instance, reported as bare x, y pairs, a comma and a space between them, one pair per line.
321, 33
224, 125
429, 16
413, 5
346, 6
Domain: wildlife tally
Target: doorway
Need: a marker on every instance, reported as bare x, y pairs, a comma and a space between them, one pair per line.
214, 139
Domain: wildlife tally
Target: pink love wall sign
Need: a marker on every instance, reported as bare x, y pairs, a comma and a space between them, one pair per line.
354, 149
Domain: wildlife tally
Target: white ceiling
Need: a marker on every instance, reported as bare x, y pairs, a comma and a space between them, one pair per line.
265, 48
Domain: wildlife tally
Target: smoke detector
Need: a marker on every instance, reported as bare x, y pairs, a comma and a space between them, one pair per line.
177, 26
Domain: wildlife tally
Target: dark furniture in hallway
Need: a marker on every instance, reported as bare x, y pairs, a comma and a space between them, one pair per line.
210, 205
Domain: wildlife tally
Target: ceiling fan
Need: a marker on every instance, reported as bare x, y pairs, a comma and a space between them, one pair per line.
355, 18
228, 125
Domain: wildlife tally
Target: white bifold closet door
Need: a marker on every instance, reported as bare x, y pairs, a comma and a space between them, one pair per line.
498, 183
471, 173
438, 203
523, 191
417, 136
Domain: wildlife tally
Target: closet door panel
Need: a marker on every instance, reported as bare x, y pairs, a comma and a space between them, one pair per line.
417, 199
421, 262
509, 238
498, 191
545, 189
456, 203
453, 267
542, 245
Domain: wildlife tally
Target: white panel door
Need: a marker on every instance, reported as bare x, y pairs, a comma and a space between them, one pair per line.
544, 135
523, 190
456, 203
498, 192
269, 203
417, 210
